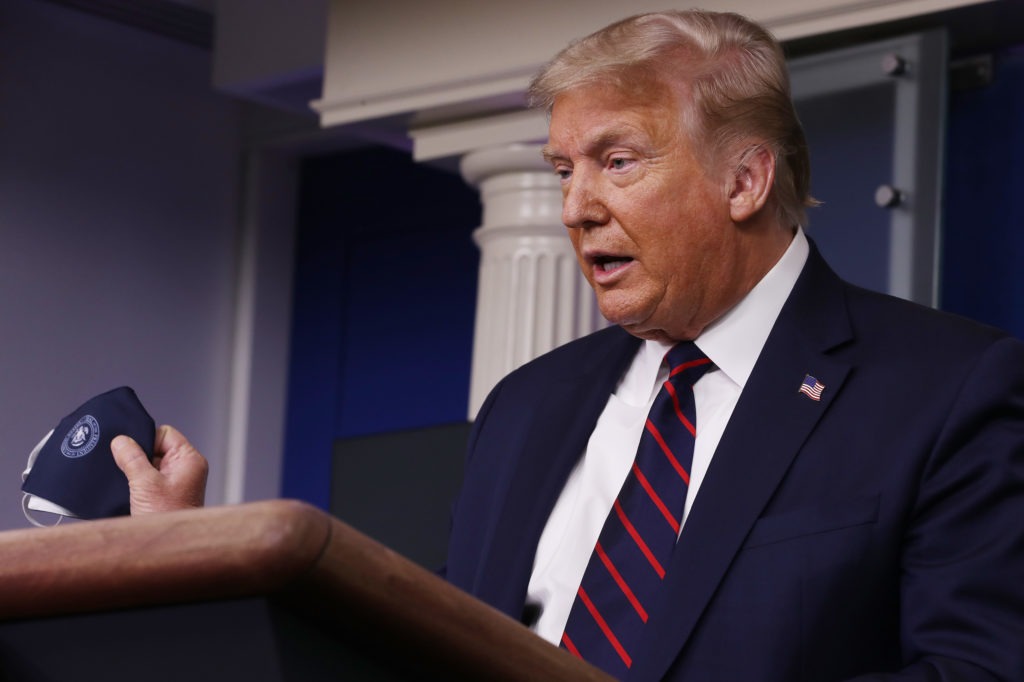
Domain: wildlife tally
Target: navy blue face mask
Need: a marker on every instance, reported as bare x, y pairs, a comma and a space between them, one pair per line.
72, 471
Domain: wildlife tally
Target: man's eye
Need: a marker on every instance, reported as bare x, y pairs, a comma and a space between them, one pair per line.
619, 164
563, 173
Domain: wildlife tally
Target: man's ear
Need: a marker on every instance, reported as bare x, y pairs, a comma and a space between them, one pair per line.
752, 183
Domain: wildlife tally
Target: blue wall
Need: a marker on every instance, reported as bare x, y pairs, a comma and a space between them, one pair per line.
983, 250
385, 297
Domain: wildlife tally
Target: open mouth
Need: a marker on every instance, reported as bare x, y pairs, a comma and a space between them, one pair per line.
610, 263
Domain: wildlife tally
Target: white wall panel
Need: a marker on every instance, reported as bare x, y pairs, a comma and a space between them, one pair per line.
400, 56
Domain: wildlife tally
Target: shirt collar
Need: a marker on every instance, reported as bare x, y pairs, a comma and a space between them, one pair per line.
734, 341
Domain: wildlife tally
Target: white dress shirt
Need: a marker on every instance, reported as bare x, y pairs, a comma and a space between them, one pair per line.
733, 343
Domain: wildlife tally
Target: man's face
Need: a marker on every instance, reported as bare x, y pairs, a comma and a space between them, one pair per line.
650, 226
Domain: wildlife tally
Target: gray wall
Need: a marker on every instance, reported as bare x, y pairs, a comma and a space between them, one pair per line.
119, 172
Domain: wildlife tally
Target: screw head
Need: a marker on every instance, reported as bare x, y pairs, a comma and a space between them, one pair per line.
887, 196
894, 65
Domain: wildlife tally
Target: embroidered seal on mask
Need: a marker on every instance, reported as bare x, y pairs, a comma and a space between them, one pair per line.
82, 437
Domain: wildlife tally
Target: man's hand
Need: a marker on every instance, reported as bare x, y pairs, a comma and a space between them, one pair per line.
175, 480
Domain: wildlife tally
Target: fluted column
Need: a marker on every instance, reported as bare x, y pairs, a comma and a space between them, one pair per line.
531, 296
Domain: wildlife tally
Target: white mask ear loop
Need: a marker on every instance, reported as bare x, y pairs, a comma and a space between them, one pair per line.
25, 496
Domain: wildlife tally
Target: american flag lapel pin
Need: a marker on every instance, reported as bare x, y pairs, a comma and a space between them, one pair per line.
811, 387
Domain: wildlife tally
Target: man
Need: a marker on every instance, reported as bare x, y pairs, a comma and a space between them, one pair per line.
854, 504
856, 498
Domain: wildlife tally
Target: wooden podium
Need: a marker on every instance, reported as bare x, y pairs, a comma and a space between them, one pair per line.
266, 591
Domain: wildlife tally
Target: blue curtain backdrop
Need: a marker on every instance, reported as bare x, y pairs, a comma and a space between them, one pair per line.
386, 278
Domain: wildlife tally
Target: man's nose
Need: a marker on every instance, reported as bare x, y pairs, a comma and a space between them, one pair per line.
582, 205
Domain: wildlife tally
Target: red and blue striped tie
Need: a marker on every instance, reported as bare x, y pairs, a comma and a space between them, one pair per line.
633, 550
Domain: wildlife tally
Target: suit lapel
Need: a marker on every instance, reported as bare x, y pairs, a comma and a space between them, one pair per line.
768, 427
566, 413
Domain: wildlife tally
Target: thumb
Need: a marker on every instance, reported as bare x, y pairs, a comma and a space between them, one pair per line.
130, 457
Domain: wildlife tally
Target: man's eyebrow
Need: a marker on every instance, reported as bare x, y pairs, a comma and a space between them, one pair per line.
611, 137
549, 154
607, 138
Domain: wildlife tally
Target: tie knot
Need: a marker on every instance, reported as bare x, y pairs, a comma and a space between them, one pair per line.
686, 359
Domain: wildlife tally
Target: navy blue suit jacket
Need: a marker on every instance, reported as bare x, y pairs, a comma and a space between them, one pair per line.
878, 530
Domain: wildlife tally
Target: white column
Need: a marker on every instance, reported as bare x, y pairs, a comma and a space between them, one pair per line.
531, 296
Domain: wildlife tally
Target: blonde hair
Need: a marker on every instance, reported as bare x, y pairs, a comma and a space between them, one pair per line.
732, 70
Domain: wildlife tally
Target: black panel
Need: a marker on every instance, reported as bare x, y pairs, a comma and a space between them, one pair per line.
398, 487
249, 639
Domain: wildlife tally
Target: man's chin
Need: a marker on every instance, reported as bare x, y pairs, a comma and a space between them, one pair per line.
648, 334
649, 329
637, 325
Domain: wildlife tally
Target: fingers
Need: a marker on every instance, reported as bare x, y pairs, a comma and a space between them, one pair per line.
168, 439
175, 480
182, 465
